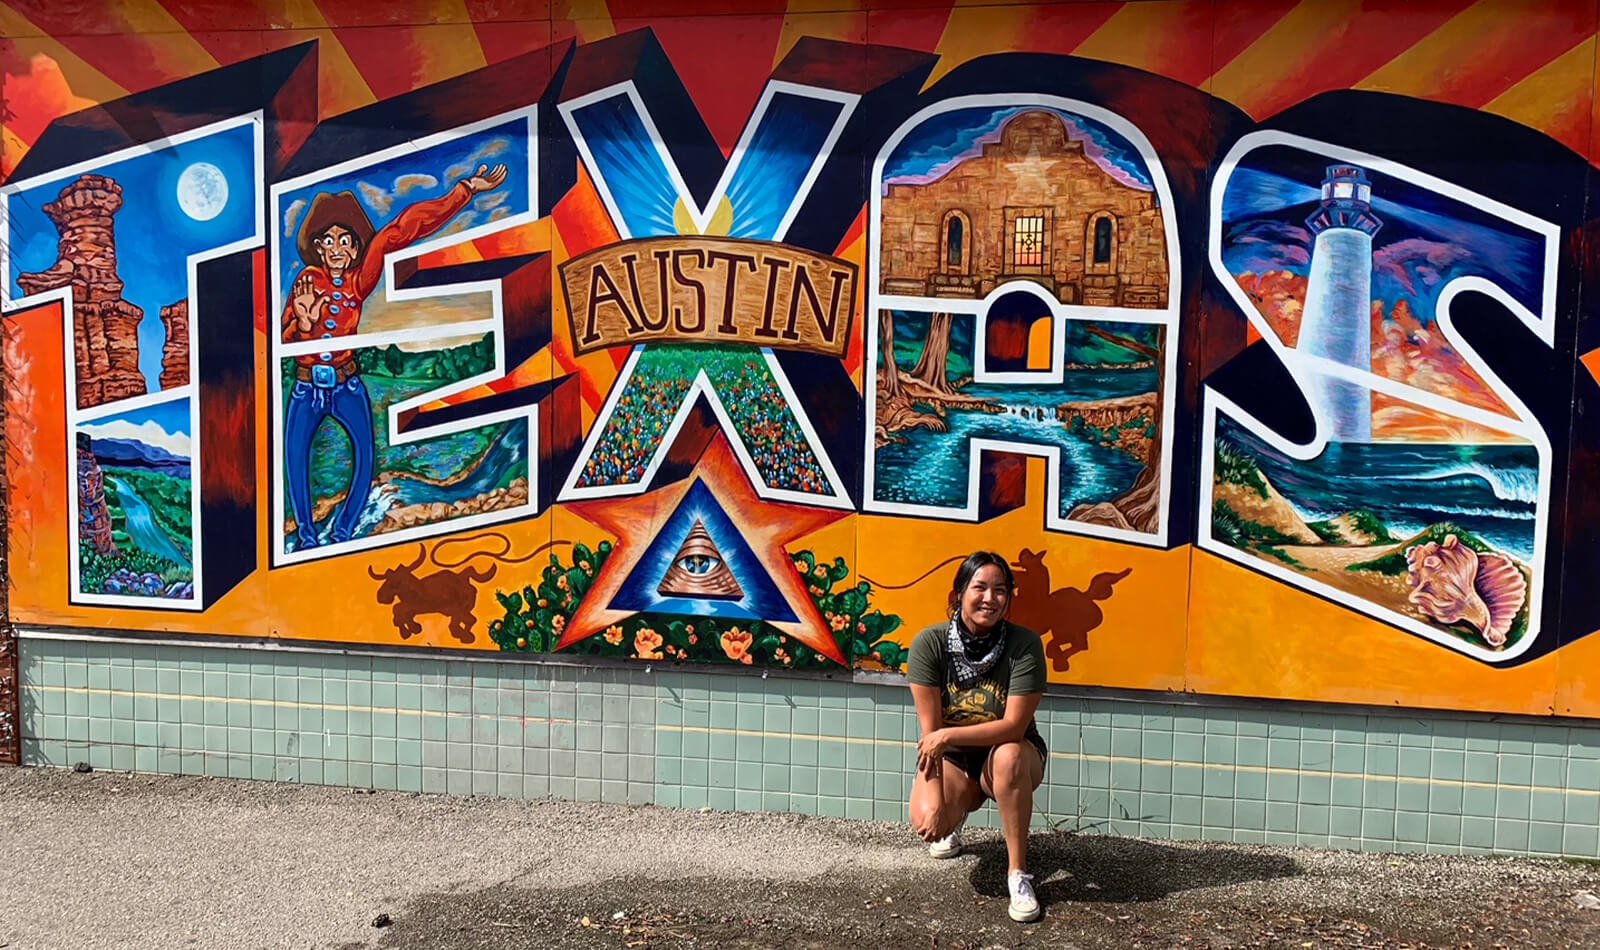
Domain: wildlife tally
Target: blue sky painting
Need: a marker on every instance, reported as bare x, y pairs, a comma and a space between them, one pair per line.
177, 201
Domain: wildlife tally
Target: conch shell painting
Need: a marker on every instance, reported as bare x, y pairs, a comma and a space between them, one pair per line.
1452, 583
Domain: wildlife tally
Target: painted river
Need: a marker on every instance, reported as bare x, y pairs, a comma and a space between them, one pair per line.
930, 468
141, 525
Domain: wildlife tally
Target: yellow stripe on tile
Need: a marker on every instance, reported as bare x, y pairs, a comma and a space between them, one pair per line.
852, 740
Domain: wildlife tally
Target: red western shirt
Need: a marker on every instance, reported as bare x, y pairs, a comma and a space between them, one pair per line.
347, 292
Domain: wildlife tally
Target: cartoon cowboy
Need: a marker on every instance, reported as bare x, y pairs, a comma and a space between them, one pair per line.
344, 262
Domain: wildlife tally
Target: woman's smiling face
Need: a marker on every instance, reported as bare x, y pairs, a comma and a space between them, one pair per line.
985, 599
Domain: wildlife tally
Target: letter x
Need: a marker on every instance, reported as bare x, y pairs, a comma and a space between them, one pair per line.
763, 186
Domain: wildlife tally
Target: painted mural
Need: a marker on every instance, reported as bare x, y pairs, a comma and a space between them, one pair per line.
1423, 496
1024, 304
718, 339
349, 476
82, 235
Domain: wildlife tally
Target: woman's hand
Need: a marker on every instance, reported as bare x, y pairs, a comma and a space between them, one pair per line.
930, 750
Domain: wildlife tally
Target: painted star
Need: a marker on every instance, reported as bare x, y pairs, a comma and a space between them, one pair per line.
766, 527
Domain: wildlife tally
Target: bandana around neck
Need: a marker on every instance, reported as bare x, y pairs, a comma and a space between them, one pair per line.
962, 646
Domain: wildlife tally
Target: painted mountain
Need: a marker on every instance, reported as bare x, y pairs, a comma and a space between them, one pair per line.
128, 453
136, 503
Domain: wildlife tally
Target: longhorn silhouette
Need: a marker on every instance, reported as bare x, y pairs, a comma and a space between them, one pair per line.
451, 593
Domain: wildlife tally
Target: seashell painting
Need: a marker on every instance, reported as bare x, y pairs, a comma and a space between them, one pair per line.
1504, 590
1452, 583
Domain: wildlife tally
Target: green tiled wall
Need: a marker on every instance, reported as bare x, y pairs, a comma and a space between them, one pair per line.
1277, 774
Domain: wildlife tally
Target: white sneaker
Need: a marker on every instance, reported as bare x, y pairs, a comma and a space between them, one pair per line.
1024, 905
947, 847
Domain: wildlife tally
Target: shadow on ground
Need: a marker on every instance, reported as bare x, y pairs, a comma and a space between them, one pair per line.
1121, 870
1099, 893
928, 905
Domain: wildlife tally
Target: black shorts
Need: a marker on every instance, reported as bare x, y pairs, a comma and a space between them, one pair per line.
972, 759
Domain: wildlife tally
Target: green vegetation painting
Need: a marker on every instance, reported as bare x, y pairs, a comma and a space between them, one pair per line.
536, 616
135, 504
478, 470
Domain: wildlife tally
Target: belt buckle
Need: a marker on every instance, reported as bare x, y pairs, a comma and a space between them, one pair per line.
324, 376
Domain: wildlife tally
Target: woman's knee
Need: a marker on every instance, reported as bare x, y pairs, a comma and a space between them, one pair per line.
1008, 766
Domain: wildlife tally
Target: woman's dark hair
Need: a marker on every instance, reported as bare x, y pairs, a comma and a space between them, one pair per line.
975, 562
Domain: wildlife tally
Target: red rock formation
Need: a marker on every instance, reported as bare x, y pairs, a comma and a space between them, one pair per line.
94, 518
175, 355
105, 328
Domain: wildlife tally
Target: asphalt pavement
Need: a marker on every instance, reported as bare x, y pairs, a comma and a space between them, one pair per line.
117, 860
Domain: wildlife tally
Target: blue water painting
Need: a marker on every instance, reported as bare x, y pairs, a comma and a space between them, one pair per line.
922, 465
1490, 490
930, 468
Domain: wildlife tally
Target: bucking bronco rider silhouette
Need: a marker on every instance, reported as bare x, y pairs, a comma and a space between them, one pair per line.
344, 262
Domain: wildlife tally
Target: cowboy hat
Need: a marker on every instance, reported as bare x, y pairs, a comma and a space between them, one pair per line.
328, 209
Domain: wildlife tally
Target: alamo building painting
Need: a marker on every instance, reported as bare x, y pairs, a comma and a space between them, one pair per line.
1030, 206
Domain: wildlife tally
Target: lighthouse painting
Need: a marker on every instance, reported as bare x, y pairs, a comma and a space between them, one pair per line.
1421, 495
1337, 324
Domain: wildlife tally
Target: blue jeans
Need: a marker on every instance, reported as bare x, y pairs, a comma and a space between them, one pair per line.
351, 407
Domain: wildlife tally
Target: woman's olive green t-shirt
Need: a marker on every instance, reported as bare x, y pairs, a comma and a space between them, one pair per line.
1020, 670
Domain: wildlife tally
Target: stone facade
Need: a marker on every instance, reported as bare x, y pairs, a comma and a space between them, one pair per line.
175, 354
105, 328
1032, 206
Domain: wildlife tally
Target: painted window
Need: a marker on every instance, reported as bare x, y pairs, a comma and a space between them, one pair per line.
1102, 241
956, 257
1027, 241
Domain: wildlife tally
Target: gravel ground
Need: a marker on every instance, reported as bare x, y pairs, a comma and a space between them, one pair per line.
134, 861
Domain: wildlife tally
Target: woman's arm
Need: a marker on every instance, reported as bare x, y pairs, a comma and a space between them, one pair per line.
1008, 728
930, 716
930, 707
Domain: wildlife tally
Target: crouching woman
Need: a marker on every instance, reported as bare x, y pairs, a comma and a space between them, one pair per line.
977, 681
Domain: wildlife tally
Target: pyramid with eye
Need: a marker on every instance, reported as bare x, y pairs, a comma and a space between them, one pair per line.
710, 522
699, 570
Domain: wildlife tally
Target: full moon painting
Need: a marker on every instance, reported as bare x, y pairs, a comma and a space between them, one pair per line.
202, 191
